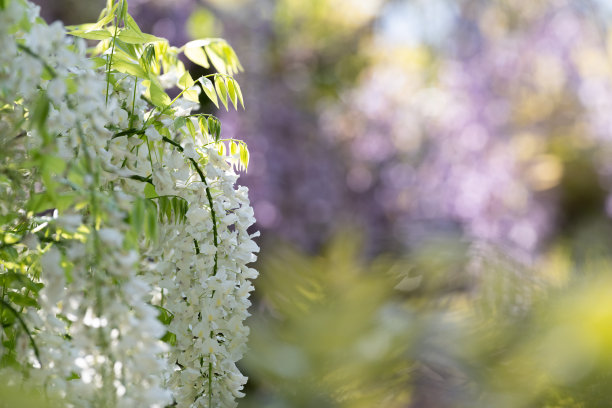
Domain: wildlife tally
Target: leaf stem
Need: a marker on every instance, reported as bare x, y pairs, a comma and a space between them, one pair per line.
110, 60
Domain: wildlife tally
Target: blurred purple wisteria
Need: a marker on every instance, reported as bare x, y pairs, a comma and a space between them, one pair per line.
484, 132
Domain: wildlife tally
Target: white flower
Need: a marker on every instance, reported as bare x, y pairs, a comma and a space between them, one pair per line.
164, 185
56, 89
111, 237
190, 152
153, 134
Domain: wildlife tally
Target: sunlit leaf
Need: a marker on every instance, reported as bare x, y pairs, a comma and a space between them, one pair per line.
194, 51
231, 89
221, 89
209, 90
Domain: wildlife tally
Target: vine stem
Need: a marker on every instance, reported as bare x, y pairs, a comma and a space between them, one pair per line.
110, 60
213, 214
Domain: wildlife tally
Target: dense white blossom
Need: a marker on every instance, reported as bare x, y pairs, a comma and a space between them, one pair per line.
97, 328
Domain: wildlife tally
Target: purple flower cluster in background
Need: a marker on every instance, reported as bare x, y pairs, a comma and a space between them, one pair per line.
484, 134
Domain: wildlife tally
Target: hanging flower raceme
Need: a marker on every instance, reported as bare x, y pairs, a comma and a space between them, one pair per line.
124, 252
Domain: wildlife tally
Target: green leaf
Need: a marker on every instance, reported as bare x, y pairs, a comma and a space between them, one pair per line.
22, 300
232, 92
194, 51
53, 164
169, 338
209, 90
71, 85
231, 58
156, 94
190, 127
149, 191
221, 90
39, 116
46, 75
185, 81
8, 254
98, 62
203, 125
244, 156
147, 60
138, 214
151, 226
65, 201
126, 67
215, 56
179, 123
98, 35
192, 95
214, 128
123, 12
130, 36
165, 316
131, 24
238, 92
197, 56
165, 209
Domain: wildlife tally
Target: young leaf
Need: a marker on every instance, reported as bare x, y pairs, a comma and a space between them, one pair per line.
185, 81
149, 191
214, 128
131, 37
132, 34
165, 316
155, 92
197, 56
215, 57
99, 35
221, 90
232, 92
190, 127
231, 58
244, 156
22, 300
209, 90
203, 125
238, 92
147, 59
123, 66
180, 122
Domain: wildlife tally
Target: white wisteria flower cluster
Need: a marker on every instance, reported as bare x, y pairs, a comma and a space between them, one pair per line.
124, 248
